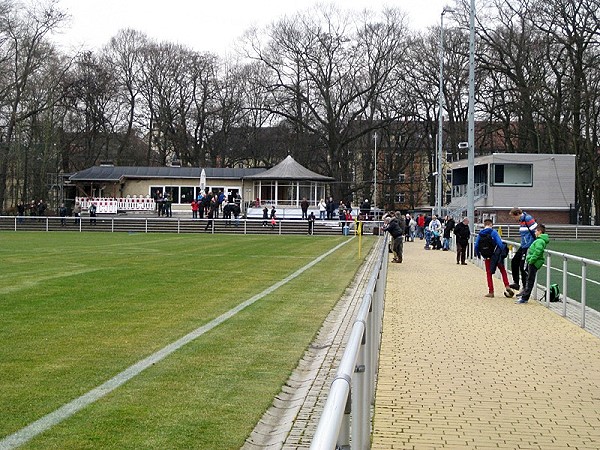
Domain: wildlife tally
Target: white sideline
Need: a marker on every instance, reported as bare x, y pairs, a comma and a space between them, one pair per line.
48, 421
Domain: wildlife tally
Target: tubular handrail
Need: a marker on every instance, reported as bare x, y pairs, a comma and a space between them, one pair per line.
566, 258
352, 390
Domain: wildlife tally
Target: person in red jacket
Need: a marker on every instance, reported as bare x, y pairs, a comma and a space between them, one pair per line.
420, 226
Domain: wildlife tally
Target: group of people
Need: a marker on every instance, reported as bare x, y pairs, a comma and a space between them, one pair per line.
527, 260
525, 263
163, 204
437, 234
33, 209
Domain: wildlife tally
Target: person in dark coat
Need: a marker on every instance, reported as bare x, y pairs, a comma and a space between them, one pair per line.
463, 234
304, 208
394, 226
448, 228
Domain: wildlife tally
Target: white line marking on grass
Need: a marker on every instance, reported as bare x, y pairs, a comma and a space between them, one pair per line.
64, 412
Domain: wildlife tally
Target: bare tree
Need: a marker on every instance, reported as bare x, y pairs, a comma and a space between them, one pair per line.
123, 56
574, 27
25, 58
329, 70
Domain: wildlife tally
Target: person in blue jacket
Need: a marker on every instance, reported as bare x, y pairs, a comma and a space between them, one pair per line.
494, 259
527, 226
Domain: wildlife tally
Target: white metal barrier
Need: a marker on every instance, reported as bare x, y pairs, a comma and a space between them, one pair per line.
353, 390
106, 205
584, 263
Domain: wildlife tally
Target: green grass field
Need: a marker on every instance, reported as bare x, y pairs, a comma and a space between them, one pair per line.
584, 249
79, 308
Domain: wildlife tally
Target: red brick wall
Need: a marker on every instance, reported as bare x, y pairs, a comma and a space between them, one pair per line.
545, 217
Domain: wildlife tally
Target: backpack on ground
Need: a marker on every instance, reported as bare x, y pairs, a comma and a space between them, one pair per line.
486, 245
554, 293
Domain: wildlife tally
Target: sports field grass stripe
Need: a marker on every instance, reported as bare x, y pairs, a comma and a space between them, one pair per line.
64, 412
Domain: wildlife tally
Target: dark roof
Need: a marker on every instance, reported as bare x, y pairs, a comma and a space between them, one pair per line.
289, 169
118, 173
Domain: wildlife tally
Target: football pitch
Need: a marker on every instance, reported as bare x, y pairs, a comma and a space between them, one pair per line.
145, 341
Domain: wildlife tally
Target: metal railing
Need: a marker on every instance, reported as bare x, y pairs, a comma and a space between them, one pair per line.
352, 391
150, 224
564, 286
576, 297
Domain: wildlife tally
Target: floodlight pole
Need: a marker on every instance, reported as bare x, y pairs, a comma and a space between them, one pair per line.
375, 173
439, 179
471, 131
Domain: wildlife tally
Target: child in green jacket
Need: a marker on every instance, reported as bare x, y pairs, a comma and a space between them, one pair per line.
534, 260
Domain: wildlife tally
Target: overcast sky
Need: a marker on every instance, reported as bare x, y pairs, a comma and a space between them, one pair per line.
206, 25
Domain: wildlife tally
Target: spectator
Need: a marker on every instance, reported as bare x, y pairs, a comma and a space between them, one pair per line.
534, 260
92, 212
77, 212
322, 209
62, 212
304, 208
311, 223
448, 228
527, 226
463, 234
393, 226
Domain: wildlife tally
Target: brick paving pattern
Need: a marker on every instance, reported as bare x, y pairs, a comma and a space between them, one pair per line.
458, 370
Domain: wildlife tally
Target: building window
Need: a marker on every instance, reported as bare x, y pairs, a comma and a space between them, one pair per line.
401, 197
402, 178
187, 194
512, 174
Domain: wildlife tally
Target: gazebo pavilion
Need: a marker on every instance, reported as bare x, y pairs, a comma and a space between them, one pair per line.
285, 185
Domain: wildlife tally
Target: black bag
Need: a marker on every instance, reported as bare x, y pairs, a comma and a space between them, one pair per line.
486, 245
554, 293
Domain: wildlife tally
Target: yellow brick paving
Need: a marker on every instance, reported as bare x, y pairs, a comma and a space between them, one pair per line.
458, 370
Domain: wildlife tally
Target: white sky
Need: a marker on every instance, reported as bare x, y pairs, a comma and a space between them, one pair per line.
206, 25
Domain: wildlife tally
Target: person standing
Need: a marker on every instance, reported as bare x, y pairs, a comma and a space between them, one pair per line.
77, 212
210, 218
322, 209
304, 208
494, 252
534, 260
413, 228
62, 212
330, 208
407, 220
527, 226
194, 209
448, 228
92, 211
201, 207
463, 234
168, 200
396, 229
265, 216
41, 209
311, 223
20, 212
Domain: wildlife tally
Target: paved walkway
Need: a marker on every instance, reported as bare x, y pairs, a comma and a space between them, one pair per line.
458, 370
